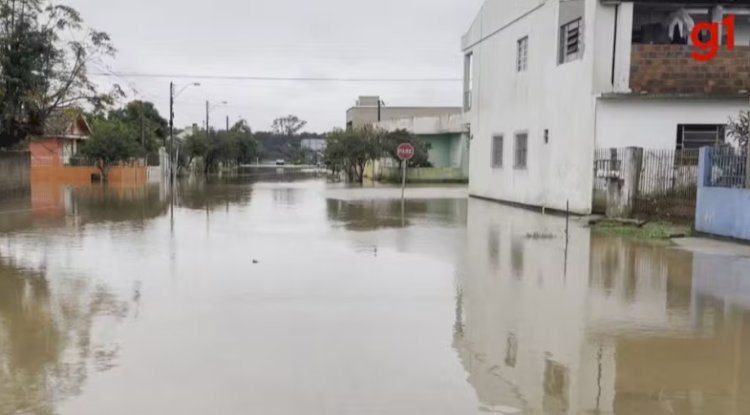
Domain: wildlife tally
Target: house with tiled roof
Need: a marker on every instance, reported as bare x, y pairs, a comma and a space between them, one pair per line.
64, 130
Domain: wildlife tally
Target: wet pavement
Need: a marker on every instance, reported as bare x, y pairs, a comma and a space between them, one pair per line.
284, 294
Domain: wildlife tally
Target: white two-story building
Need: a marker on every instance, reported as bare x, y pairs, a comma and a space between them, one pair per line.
549, 81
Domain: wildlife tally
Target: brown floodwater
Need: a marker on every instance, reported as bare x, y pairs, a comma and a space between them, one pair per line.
281, 294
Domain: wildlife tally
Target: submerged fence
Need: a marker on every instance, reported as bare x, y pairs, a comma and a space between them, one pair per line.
667, 184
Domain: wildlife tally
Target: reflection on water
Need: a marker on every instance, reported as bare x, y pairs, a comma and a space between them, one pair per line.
111, 204
212, 193
46, 348
299, 296
367, 215
631, 329
53, 204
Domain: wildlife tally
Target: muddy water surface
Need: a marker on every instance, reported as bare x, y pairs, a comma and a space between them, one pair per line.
290, 295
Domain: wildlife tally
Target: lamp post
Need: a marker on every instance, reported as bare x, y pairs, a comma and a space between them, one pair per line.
210, 108
172, 97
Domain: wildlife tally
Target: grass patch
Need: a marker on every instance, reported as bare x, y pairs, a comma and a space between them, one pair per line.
659, 231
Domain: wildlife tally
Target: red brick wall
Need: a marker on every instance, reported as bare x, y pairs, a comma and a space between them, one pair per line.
669, 69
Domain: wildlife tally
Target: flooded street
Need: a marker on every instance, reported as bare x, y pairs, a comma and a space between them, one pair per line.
290, 295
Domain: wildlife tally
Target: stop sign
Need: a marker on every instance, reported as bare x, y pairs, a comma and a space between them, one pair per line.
405, 151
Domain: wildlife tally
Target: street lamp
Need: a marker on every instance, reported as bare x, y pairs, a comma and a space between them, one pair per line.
210, 108
172, 97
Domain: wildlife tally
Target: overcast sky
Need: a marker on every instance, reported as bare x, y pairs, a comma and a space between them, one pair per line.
287, 38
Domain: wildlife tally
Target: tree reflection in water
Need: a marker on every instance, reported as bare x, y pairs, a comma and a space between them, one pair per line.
46, 343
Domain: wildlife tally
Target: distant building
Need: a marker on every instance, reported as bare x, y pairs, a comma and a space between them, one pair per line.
317, 145
548, 82
367, 108
448, 138
64, 131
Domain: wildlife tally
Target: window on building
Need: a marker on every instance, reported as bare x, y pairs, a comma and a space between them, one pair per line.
571, 38
497, 151
522, 54
694, 136
468, 80
521, 150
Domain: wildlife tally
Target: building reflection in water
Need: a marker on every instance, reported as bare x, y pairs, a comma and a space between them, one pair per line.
631, 329
373, 214
60, 204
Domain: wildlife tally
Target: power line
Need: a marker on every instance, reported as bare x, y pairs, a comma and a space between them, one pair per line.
269, 78
129, 83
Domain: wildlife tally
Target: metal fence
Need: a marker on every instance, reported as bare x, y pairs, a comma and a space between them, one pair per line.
728, 167
668, 183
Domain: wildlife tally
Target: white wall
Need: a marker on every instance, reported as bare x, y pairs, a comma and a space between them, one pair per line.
623, 47
453, 123
362, 116
546, 96
652, 123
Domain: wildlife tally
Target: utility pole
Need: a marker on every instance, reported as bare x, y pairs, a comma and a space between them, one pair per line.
172, 148
208, 126
227, 123
379, 104
171, 134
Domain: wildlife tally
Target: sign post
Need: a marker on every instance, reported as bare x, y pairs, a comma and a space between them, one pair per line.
405, 153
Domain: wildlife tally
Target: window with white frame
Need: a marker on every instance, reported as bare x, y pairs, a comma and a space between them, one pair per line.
497, 151
521, 150
522, 54
571, 38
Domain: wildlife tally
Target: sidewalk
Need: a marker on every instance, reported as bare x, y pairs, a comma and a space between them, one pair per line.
713, 246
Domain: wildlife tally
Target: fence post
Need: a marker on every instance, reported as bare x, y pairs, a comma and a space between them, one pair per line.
623, 191
704, 167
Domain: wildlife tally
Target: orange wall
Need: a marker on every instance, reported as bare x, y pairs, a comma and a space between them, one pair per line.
46, 152
82, 174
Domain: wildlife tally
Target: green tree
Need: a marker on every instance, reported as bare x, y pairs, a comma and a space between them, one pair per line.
194, 146
393, 139
739, 128
230, 148
39, 71
111, 142
350, 151
145, 118
289, 125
